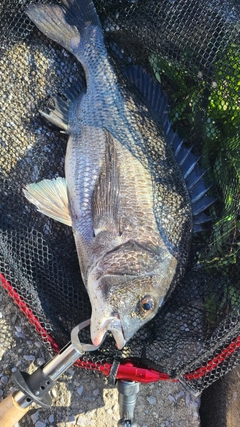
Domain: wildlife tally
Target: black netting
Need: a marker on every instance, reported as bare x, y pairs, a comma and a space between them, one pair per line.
193, 48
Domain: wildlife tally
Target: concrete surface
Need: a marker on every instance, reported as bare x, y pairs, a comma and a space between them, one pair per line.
80, 399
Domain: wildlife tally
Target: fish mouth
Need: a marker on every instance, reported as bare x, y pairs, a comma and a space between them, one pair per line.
118, 333
114, 325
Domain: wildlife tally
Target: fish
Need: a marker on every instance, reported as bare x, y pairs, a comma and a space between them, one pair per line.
132, 192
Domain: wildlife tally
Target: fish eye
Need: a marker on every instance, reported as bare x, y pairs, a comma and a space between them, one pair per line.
146, 305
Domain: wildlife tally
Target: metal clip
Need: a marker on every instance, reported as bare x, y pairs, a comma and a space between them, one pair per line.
43, 379
81, 347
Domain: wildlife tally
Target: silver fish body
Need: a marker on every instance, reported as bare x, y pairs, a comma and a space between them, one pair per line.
125, 196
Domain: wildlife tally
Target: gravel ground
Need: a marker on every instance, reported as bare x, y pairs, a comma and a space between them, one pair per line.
79, 399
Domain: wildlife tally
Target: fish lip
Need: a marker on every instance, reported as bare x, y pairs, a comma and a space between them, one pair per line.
117, 331
113, 325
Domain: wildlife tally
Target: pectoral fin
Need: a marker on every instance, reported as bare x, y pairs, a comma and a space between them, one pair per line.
51, 198
105, 198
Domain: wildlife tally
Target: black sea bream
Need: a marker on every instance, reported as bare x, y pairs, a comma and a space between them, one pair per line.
127, 179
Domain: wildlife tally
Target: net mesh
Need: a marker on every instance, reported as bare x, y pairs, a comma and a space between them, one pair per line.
193, 48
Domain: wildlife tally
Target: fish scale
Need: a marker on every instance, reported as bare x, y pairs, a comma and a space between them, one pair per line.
124, 193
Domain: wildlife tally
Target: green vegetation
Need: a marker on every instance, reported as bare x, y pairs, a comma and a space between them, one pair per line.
209, 113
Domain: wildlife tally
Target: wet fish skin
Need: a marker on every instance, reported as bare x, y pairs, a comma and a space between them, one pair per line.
125, 196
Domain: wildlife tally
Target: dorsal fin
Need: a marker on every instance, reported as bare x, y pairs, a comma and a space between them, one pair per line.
156, 100
151, 92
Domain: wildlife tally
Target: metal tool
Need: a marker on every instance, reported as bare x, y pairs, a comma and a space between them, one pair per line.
35, 387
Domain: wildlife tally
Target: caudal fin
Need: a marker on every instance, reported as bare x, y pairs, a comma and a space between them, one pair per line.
65, 23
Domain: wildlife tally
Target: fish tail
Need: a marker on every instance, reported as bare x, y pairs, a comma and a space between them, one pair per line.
66, 23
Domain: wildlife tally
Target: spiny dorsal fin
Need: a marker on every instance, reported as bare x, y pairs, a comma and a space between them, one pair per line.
157, 102
150, 90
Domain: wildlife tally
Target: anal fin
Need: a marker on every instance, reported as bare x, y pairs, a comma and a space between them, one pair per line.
59, 116
51, 199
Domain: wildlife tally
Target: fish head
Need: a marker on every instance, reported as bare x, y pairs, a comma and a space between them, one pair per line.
123, 303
